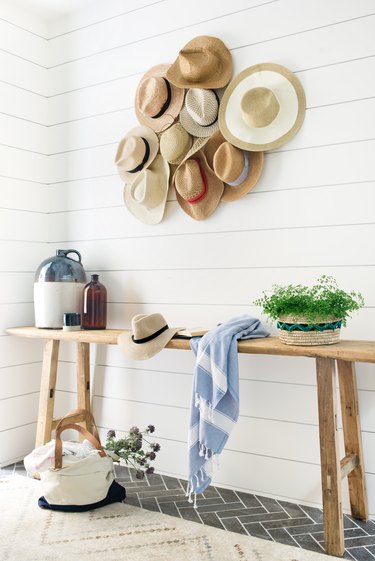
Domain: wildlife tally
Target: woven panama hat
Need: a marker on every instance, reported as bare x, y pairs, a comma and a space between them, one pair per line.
146, 196
157, 101
239, 169
175, 143
135, 152
198, 190
204, 62
262, 108
200, 112
149, 335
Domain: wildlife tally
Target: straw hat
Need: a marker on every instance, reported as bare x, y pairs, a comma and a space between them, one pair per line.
198, 190
204, 62
146, 196
200, 112
262, 108
157, 101
238, 169
175, 143
135, 152
150, 334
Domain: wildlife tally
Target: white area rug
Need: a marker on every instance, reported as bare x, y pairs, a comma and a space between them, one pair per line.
119, 532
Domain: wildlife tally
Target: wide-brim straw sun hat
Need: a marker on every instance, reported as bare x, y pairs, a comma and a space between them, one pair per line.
149, 335
262, 108
239, 169
135, 152
146, 196
204, 62
198, 190
157, 101
200, 112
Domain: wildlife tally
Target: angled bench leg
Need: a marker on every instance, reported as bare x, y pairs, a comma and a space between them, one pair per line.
330, 460
83, 377
47, 392
352, 439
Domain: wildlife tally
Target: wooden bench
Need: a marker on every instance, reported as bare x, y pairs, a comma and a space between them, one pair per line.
340, 357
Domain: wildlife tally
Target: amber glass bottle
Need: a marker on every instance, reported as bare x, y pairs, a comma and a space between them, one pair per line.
94, 305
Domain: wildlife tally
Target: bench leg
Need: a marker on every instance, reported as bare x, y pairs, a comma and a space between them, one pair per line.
352, 438
83, 377
47, 392
329, 454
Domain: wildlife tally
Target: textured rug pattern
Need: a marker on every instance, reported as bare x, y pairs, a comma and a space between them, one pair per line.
119, 532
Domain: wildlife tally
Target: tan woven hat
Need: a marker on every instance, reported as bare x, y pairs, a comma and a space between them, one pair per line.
149, 335
175, 143
204, 62
146, 196
198, 190
157, 101
238, 169
135, 152
200, 112
262, 108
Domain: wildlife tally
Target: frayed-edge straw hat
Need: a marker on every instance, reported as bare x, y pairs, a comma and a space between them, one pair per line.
239, 169
146, 196
198, 190
204, 62
200, 112
135, 152
157, 101
149, 335
262, 108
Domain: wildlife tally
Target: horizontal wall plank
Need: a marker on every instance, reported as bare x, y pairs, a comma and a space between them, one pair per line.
234, 31
18, 411
22, 44
29, 20
16, 443
20, 380
16, 350
16, 287
22, 104
19, 313
343, 204
23, 74
23, 256
23, 134
22, 164
22, 195
23, 225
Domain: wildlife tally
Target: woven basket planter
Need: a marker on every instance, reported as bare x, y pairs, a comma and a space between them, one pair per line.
300, 331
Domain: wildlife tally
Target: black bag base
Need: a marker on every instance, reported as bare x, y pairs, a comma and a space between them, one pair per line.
116, 494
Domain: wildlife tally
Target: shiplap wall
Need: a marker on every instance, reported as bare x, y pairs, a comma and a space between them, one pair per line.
23, 218
311, 213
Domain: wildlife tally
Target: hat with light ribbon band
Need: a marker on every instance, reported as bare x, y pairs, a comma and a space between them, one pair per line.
135, 152
157, 101
146, 196
198, 190
149, 335
239, 169
262, 108
200, 112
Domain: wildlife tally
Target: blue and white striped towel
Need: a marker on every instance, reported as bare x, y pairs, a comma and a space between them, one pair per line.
215, 396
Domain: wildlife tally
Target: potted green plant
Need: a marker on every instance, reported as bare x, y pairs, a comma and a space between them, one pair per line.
310, 315
130, 449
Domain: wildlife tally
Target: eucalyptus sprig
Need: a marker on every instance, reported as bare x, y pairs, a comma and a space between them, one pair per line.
130, 449
320, 301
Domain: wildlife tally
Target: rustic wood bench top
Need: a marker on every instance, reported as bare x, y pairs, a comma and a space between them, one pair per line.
340, 358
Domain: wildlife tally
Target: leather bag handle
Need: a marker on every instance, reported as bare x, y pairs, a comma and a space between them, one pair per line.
58, 442
88, 417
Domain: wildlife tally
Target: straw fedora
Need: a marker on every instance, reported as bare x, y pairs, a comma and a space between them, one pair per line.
157, 101
198, 190
262, 108
149, 335
146, 196
238, 169
135, 152
204, 62
200, 112
175, 143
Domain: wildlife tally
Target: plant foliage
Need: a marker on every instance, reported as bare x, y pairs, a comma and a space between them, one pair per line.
320, 301
130, 449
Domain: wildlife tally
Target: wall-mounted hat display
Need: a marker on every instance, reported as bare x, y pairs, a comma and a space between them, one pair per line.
239, 169
262, 108
200, 112
146, 196
198, 190
204, 62
149, 335
135, 152
157, 101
